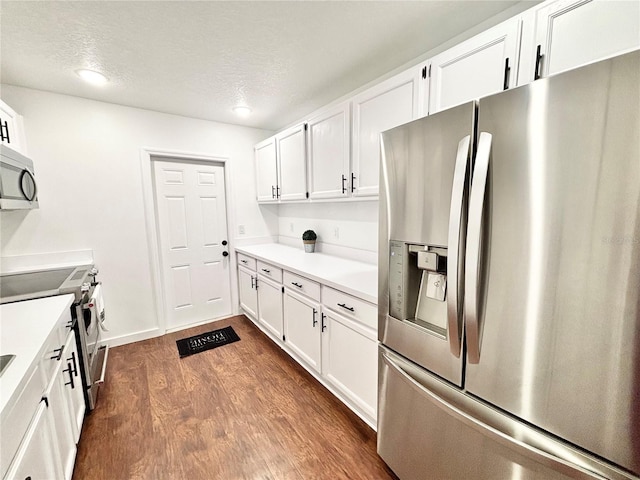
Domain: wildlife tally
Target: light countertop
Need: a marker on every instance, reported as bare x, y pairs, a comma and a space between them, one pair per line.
356, 278
24, 329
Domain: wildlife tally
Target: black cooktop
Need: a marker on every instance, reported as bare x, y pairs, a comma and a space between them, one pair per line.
24, 286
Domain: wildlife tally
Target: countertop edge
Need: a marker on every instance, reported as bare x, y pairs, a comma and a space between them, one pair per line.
248, 250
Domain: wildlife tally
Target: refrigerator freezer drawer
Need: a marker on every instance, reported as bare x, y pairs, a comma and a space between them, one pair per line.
430, 430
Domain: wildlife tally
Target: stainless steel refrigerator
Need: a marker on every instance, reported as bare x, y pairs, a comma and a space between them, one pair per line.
509, 303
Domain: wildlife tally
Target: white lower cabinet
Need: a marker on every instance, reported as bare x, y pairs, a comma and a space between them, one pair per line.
75, 397
247, 292
349, 359
270, 305
302, 328
60, 417
35, 458
332, 334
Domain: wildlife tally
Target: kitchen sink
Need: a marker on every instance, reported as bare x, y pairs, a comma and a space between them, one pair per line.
5, 360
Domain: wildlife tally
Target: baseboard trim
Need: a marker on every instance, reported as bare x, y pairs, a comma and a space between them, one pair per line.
197, 324
133, 337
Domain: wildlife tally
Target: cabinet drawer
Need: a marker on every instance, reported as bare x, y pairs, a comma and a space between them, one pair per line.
52, 354
353, 307
268, 270
247, 261
302, 285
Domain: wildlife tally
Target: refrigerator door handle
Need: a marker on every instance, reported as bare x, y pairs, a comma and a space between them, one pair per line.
473, 323
454, 243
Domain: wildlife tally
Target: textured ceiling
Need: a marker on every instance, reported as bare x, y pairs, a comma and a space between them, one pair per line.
199, 59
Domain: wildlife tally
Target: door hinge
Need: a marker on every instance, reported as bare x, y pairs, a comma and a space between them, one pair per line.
282, 289
424, 72
307, 194
284, 339
306, 126
46, 401
429, 71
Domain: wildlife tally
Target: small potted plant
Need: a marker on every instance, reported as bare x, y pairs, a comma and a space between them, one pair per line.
309, 240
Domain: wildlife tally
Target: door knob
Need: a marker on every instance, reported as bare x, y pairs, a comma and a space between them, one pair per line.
224, 242
225, 254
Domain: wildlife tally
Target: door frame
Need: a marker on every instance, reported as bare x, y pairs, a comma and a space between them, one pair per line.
147, 156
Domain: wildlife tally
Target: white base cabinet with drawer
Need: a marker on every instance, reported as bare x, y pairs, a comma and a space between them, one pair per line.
41, 428
333, 335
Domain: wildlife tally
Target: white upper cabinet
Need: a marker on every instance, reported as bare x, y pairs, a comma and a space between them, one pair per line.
328, 149
292, 160
480, 66
266, 171
11, 128
566, 34
384, 106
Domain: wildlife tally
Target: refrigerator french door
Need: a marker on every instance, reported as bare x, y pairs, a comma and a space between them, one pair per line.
509, 315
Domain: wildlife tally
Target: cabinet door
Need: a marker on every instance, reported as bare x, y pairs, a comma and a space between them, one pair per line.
302, 328
350, 360
572, 33
266, 171
270, 305
36, 457
247, 293
11, 128
328, 149
75, 397
480, 66
292, 156
387, 105
60, 415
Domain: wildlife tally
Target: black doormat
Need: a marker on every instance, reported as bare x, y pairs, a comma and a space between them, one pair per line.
206, 341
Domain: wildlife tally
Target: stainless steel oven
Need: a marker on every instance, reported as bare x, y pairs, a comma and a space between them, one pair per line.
87, 314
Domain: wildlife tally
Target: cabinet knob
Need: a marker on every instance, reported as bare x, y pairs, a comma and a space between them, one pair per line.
224, 242
225, 254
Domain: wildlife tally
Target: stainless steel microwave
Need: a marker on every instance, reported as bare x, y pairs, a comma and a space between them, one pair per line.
18, 189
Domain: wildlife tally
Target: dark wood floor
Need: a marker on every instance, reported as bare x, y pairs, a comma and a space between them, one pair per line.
241, 411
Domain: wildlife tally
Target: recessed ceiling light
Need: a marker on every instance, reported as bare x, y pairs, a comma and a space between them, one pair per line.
91, 76
242, 111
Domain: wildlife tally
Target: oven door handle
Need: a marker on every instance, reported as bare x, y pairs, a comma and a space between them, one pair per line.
100, 381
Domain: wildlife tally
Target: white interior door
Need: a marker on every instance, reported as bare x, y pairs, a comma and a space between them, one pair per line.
192, 228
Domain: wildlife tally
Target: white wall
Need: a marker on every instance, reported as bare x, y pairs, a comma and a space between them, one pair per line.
347, 229
87, 164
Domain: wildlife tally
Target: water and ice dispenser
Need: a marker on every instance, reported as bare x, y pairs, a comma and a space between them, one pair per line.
418, 285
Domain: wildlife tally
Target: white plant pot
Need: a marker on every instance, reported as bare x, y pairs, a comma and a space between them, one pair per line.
309, 247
